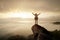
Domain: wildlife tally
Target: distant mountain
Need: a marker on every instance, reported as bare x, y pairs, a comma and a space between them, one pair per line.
57, 23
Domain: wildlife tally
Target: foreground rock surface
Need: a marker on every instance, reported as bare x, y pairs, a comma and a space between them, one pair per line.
40, 33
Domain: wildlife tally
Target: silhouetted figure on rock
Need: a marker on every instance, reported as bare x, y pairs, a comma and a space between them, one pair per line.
40, 33
36, 17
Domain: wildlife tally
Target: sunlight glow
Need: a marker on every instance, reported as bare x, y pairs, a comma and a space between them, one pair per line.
20, 14
24, 15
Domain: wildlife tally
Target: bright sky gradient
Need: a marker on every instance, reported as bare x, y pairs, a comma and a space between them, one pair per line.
24, 8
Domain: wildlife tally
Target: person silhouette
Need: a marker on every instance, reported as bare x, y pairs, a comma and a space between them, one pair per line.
36, 17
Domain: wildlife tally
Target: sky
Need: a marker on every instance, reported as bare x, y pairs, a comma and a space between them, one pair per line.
31, 5
14, 8
49, 9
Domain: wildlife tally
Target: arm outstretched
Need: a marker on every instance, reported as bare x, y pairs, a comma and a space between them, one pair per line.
33, 13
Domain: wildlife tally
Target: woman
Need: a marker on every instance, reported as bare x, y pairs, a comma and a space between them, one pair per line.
36, 17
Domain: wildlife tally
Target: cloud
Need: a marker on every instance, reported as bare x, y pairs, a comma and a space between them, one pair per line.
7, 5
48, 5
56, 23
43, 5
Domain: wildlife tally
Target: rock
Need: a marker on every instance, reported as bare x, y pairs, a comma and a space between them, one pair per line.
40, 33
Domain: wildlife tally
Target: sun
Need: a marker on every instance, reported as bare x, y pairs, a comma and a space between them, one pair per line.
25, 15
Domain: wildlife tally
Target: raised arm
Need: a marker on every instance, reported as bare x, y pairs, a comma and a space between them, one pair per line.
33, 13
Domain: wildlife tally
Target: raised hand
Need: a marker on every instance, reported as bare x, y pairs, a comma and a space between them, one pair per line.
33, 13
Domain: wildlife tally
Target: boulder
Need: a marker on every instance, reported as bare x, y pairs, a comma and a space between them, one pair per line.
40, 33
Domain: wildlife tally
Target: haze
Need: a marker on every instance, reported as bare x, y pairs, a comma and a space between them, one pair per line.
16, 15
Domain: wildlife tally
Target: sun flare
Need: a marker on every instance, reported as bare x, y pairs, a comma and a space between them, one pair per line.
20, 14
23, 15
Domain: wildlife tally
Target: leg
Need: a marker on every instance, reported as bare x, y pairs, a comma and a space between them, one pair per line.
36, 21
